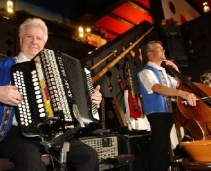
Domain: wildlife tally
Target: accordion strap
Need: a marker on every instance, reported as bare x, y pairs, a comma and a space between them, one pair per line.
6, 112
6, 120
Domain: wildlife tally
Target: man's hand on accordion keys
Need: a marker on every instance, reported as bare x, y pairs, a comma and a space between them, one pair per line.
10, 95
96, 96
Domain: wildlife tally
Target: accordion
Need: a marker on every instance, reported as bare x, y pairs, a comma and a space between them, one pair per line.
56, 92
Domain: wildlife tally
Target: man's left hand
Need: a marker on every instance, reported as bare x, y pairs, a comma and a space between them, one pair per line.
96, 96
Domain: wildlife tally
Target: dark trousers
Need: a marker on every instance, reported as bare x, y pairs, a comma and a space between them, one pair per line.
161, 124
26, 153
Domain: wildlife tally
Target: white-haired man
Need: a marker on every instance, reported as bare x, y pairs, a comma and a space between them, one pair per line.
25, 152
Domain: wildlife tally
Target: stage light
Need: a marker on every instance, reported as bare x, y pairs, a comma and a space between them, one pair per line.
10, 6
206, 8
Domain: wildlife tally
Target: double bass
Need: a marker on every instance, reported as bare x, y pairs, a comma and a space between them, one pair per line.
196, 119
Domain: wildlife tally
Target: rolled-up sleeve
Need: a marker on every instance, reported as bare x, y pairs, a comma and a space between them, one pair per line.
148, 79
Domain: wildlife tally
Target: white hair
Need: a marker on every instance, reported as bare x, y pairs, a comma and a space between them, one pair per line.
33, 22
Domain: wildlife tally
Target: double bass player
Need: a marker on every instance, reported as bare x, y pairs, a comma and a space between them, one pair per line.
158, 89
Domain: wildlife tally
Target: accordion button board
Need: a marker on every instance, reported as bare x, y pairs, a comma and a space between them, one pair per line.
56, 89
106, 147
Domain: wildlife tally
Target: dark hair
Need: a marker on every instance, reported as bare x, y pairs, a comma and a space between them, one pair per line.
149, 48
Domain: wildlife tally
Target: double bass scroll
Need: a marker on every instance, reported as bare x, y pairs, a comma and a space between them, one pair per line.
196, 119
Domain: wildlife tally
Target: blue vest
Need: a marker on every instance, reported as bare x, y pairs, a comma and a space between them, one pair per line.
5, 79
153, 103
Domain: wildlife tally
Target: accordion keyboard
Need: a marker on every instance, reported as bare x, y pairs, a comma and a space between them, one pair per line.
91, 90
54, 87
30, 111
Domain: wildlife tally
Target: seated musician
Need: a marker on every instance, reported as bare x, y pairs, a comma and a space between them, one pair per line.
157, 89
25, 152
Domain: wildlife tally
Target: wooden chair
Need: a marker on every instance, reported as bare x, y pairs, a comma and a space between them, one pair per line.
189, 164
6, 165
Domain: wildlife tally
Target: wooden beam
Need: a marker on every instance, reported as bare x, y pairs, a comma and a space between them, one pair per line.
117, 17
136, 5
112, 32
109, 10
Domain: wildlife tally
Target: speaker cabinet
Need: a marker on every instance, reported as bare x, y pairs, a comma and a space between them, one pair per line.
176, 49
138, 145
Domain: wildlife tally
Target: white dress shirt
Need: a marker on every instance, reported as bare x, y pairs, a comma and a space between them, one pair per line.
149, 79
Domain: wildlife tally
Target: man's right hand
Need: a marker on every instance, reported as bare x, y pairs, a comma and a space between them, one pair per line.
10, 95
190, 97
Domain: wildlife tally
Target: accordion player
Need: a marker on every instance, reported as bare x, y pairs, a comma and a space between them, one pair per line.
56, 92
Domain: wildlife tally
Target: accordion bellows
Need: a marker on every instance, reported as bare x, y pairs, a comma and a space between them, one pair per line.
55, 86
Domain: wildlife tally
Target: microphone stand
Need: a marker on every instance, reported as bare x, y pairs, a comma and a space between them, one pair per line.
61, 146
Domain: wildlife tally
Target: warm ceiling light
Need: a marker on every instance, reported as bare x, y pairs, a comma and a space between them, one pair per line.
88, 29
10, 6
81, 35
206, 8
80, 29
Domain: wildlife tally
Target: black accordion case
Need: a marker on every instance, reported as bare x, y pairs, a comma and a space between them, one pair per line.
56, 92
